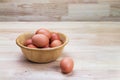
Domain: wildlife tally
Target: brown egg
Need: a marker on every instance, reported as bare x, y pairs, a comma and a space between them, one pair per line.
27, 42
47, 46
54, 36
55, 43
44, 31
31, 46
40, 40
66, 65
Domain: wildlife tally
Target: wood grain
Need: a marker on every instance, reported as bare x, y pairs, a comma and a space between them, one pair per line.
60, 10
94, 47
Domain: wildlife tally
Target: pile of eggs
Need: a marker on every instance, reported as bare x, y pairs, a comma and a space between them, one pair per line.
43, 38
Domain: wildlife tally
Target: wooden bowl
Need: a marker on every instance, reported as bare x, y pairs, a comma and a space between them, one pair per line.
40, 55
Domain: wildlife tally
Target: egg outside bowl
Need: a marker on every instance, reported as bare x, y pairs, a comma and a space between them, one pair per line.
40, 55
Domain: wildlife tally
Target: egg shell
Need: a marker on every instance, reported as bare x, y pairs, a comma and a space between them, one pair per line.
66, 65
44, 31
40, 40
31, 46
47, 46
27, 42
54, 36
55, 43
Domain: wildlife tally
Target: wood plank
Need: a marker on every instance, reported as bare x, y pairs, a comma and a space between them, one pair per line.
59, 10
94, 47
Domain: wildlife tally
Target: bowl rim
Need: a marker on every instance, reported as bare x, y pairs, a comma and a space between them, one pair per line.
41, 49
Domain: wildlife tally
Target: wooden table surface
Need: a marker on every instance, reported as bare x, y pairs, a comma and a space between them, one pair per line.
94, 47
